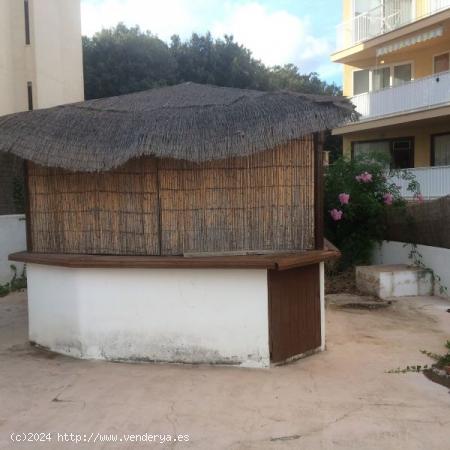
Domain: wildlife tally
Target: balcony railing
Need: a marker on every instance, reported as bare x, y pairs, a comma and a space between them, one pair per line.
438, 5
434, 182
387, 16
424, 93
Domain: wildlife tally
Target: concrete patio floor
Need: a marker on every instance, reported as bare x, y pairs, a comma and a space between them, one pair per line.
339, 399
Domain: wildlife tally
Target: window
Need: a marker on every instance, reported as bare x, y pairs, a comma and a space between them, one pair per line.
441, 63
30, 95
402, 74
441, 150
27, 22
360, 81
400, 151
381, 78
374, 147
402, 154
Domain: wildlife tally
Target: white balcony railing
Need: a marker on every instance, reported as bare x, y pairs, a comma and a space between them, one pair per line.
385, 17
424, 93
438, 5
434, 182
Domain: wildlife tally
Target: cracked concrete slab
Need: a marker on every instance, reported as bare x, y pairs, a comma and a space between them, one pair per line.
339, 399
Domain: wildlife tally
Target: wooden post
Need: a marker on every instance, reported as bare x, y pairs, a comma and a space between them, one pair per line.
27, 206
318, 190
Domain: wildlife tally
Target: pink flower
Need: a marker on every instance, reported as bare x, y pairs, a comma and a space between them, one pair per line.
365, 177
344, 198
388, 198
336, 214
419, 197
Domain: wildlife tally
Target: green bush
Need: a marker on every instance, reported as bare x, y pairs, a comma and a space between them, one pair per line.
357, 195
17, 283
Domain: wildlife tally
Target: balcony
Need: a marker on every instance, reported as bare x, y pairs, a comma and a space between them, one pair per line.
387, 16
434, 182
424, 93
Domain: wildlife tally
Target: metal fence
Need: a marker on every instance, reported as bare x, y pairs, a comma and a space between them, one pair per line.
434, 182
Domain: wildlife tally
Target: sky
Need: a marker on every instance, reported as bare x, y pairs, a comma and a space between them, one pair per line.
302, 32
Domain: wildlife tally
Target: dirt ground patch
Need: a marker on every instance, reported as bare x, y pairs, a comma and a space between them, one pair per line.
341, 283
339, 399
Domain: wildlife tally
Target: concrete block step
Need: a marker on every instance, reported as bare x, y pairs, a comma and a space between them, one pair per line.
394, 280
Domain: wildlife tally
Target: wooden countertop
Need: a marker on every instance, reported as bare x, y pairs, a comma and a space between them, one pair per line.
274, 261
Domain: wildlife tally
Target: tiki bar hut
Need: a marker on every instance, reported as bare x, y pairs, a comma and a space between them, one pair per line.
180, 224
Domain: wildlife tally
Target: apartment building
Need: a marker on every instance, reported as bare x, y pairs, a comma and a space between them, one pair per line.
396, 63
40, 54
40, 66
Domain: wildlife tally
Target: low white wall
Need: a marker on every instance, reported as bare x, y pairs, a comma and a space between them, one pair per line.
183, 315
436, 258
12, 239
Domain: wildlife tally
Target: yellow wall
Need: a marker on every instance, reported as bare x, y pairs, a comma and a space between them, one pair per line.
421, 133
422, 58
347, 81
53, 61
422, 8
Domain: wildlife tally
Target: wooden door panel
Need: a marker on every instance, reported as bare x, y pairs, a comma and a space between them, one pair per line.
294, 307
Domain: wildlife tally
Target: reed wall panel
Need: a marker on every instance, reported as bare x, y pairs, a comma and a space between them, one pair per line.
170, 207
108, 213
424, 223
260, 202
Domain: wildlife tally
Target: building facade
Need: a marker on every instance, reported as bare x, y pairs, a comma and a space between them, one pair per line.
40, 66
396, 61
40, 54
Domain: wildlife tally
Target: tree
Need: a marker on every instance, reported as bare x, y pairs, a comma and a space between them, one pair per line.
222, 62
122, 60
288, 77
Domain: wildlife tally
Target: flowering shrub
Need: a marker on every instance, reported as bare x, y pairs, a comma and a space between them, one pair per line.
357, 195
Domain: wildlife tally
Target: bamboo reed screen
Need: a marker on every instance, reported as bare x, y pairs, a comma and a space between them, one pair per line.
424, 223
109, 213
170, 207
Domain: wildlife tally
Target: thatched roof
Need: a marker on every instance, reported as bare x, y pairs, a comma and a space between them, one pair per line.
189, 121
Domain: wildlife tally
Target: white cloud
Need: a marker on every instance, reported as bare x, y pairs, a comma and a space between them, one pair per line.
273, 35
164, 18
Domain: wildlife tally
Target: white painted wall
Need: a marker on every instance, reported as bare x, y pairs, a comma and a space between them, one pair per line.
185, 315
437, 259
394, 280
58, 61
12, 239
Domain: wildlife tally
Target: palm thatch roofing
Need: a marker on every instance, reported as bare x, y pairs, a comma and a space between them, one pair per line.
189, 121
